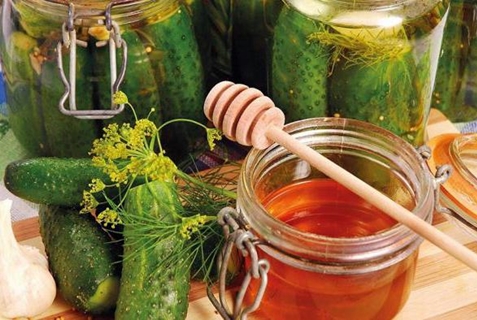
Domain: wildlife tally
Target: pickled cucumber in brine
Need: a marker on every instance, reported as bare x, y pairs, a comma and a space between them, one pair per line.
67, 136
20, 68
138, 84
299, 71
369, 61
175, 58
455, 89
382, 93
202, 28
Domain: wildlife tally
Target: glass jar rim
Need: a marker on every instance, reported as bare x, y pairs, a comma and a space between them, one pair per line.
459, 189
342, 250
122, 11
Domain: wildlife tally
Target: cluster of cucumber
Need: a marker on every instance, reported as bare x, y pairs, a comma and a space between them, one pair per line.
316, 72
272, 46
164, 72
84, 261
88, 264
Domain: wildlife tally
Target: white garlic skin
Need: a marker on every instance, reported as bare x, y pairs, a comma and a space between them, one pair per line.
27, 288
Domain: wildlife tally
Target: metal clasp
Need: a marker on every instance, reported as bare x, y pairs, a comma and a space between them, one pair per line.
442, 174
236, 235
70, 42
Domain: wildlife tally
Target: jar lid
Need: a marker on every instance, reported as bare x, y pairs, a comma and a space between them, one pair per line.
459, 192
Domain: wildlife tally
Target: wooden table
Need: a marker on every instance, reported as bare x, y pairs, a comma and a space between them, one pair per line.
443, 288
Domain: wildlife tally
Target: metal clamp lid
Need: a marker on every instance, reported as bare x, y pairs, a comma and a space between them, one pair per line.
236, 235
457, 190
70, 41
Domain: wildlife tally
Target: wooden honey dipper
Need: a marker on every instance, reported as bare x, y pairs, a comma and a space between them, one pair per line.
247, 116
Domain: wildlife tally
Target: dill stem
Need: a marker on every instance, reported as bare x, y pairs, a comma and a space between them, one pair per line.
207, 186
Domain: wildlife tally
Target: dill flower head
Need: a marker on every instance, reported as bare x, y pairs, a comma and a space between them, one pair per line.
126, 151
109, 217
191, 225
212, 136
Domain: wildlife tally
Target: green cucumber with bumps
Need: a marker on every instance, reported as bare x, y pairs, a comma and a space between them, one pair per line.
56, 181
82, 259
299, 67
176, 61
384, 93
149, 288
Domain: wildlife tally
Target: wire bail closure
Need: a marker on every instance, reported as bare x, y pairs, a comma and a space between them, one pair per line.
236, 236
441, 175
70, 41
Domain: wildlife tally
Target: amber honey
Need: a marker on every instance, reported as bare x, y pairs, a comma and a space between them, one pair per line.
332, 255
323, 207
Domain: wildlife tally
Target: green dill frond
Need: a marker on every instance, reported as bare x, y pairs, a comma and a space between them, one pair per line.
193, 225
361, 46
134, 159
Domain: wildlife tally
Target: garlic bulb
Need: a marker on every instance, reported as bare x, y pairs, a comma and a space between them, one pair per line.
27, 288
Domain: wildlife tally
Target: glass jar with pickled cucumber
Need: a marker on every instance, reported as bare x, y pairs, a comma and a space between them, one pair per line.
63, 62
241, 32
455, 92
369, 60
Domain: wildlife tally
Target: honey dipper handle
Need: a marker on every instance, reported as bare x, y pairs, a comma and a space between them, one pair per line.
379, 200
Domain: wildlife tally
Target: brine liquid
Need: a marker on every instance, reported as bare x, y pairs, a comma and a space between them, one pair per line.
359, 60
324, 207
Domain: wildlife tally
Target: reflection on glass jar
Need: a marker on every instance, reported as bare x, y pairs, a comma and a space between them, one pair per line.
164, 70
455, 93
332, 255
370, 60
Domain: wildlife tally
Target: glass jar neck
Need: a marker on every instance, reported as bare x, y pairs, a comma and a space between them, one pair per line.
326, 10
87, 12
335, 137
463, 152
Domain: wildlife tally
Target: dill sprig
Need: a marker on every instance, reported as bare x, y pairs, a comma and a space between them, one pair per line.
363, 46
132, 155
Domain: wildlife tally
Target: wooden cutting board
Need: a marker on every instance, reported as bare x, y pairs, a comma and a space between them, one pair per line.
443, 288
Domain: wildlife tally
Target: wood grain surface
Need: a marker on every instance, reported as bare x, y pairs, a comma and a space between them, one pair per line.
443, 288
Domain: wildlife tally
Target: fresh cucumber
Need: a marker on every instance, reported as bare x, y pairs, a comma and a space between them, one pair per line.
82, 259
151, 289
299, 67
57, 181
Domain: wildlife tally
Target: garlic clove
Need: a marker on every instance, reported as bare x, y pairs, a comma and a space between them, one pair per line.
27, 288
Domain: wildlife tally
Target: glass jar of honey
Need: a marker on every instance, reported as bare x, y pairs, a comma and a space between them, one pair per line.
64, 60
369, 60
331, 254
